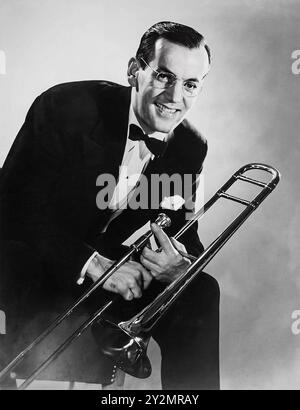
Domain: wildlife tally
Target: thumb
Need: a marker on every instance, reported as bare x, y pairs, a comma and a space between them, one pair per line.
162, 238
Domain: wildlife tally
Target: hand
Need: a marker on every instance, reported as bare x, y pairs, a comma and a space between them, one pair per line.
167, 264
129, 280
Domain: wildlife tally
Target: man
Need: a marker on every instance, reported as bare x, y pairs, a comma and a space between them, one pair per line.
53, 222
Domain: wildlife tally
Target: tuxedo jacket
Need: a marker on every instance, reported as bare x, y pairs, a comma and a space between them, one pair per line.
73, 133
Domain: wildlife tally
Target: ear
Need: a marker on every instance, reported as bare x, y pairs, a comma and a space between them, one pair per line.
132, 72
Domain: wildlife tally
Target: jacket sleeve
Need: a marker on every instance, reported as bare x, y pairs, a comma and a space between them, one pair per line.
28, 178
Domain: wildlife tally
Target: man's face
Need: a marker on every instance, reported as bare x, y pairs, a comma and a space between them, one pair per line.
163, 109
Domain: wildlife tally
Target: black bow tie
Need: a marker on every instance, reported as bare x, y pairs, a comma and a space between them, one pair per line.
154, 145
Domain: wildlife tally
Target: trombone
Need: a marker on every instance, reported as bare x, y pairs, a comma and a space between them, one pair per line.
126, 342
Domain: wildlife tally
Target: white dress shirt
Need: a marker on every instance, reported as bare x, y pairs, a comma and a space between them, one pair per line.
136, 157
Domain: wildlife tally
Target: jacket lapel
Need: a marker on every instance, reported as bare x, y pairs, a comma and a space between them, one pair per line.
104, 146
169, 163
109, 136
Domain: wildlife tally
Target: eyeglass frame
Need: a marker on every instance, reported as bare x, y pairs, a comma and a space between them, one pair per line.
198, 89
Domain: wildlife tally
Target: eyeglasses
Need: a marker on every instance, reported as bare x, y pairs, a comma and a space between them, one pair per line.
166, 80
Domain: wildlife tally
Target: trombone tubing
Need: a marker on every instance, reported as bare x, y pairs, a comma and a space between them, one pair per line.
211, 251
78, 332
148, 317
237, 175
134, 248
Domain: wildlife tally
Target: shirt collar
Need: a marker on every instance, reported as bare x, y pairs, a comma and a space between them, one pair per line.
133, 120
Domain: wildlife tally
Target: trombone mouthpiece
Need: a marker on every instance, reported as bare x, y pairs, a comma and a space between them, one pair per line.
163, 220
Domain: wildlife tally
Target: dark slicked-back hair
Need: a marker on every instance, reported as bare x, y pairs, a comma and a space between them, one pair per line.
174, 32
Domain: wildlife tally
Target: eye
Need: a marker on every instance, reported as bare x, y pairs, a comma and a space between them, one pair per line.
163, 77
191, 86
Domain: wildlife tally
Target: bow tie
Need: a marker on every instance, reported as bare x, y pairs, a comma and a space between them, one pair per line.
154, 145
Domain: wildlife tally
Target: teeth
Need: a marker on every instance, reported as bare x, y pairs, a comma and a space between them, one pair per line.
164, 110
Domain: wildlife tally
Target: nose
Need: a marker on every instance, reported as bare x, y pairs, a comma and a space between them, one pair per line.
175, 92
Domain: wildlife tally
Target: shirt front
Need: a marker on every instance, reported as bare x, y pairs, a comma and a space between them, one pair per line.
135, 159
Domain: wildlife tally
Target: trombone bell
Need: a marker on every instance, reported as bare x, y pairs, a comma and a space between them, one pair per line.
128, 352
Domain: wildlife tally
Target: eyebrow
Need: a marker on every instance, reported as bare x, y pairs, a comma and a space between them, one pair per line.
165, 69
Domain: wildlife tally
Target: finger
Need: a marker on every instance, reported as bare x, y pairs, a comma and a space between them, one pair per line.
131, 274
124, 290
110, 285
115, 284
129, 287
118, 283
133, 278
148, 244
162, 238
152, 256
137, 272
128, 295
136, 291
129, 277
145, 275
154, 268
178, 245
160, 261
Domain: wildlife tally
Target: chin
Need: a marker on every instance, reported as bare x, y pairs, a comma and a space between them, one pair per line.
163, 126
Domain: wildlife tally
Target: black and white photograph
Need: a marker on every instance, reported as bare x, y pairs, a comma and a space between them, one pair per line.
149, 197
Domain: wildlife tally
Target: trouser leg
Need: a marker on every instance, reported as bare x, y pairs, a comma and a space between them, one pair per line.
188, 336
18, 270
31, 302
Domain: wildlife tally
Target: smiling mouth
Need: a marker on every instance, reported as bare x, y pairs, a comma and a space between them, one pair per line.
165, 111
